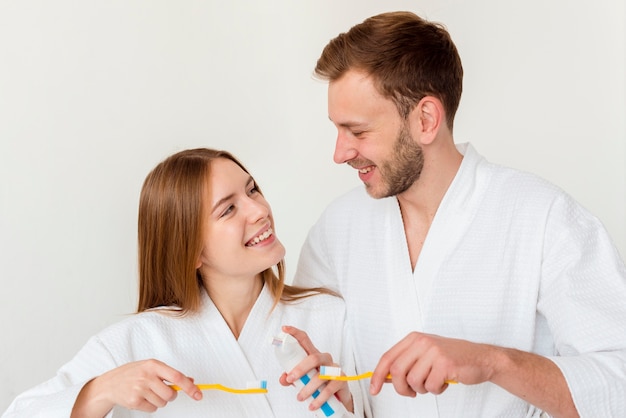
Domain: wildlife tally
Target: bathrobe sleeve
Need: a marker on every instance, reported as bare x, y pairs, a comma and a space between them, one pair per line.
583, 296
55, 398
314, 263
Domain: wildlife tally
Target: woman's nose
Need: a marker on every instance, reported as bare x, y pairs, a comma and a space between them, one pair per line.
257, 210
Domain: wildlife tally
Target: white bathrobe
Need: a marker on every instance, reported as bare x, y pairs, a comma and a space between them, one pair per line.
203, 347
509, 260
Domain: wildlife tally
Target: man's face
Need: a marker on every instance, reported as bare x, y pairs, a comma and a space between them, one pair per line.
372, 137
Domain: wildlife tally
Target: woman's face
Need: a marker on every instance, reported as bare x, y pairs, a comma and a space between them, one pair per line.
238, 234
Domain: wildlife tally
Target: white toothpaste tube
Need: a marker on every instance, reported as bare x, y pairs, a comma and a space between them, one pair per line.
289, 353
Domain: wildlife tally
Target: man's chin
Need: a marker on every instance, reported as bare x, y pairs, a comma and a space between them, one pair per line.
375, 192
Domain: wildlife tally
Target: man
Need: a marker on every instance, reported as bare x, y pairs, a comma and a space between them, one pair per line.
482, 290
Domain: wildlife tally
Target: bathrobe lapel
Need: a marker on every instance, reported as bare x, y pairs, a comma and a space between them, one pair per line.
232, 364
413, 297
455, 213
255, 340
404, 294
407, 303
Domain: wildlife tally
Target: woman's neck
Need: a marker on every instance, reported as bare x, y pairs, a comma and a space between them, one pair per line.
234, 299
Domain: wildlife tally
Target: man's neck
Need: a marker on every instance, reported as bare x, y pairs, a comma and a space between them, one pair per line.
419, 203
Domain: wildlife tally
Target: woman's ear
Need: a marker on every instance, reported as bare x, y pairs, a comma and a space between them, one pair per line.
427, 118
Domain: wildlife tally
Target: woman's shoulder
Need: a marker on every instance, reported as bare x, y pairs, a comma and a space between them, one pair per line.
159, 320
317, 302
321, 316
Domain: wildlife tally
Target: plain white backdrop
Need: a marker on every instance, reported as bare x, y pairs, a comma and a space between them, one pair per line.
94, 93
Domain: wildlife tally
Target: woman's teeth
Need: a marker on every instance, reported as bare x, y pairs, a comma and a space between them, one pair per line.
260, 238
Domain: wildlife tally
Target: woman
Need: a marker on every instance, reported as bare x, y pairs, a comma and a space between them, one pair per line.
212, 296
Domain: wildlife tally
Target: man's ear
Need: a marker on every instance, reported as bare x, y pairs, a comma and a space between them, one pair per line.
427, 117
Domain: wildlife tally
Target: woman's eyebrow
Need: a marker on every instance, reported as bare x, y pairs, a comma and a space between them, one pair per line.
230, 196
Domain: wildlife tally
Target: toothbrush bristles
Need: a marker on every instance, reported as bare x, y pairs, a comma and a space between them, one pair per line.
257, 384
330, 371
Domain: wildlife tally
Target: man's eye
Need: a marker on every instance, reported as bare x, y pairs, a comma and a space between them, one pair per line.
357, 133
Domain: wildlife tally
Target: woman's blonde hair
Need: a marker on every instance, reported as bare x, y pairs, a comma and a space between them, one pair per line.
170, 235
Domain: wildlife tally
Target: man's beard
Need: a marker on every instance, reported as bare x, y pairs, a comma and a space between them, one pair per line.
404, 168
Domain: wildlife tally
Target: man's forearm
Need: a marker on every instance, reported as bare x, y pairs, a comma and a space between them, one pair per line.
535, 379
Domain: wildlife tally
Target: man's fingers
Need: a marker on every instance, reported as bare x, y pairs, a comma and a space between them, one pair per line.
395, 358
382, 370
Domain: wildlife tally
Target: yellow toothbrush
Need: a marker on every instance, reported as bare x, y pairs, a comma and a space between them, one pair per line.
252, 387
334, 373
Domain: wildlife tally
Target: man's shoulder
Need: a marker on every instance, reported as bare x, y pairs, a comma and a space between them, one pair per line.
508, 180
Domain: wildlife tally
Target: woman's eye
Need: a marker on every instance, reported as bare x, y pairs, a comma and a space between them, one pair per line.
227, 211
253, 190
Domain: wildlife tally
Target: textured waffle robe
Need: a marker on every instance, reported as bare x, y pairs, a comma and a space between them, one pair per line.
203, 347
509, 260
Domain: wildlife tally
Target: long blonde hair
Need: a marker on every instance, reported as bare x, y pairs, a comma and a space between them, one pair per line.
170, 235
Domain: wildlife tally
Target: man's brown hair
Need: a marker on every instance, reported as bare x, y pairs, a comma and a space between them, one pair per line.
407, 57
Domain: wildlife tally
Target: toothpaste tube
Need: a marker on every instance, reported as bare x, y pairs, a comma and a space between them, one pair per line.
289, 353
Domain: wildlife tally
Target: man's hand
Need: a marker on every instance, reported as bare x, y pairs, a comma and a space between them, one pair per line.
422, 363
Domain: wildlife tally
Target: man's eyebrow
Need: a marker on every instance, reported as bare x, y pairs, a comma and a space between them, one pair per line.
347, 124
230, 196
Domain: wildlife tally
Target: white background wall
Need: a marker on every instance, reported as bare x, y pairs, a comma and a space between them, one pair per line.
94, 93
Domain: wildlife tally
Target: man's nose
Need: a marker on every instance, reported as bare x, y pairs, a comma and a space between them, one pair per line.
344, 148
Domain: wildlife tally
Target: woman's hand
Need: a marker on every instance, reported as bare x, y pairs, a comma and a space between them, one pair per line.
138, 385
314, 360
